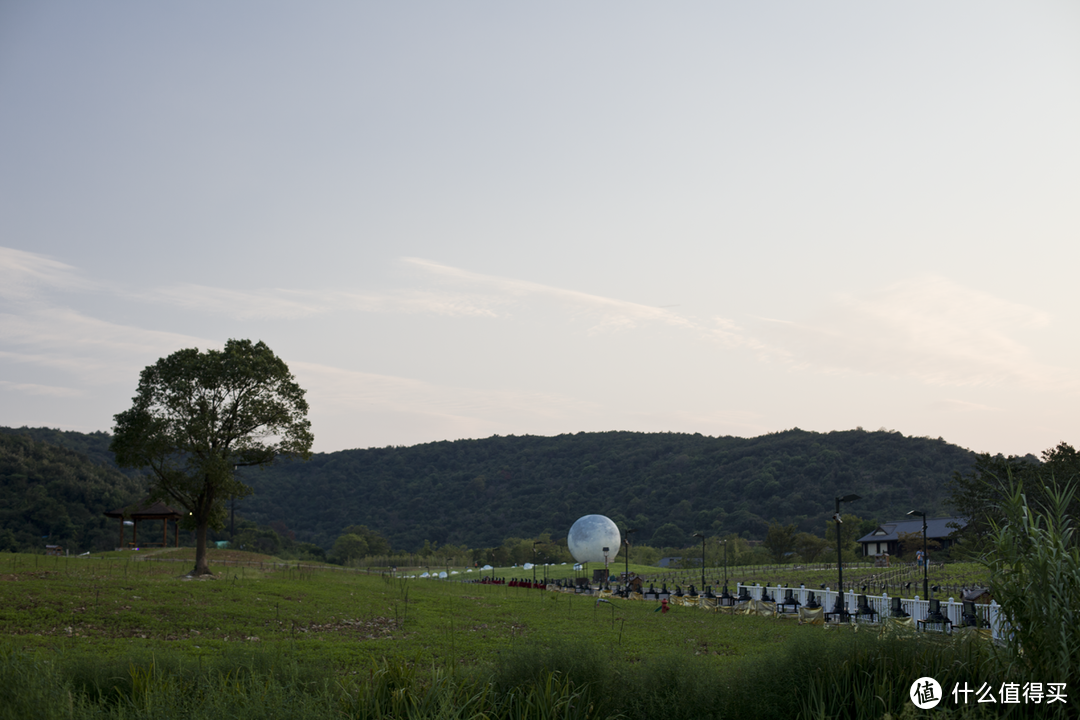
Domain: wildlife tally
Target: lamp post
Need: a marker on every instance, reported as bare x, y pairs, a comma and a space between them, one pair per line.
726, 594
926, 576
626, 560
702, 536
232, 510
840, 608
535, 543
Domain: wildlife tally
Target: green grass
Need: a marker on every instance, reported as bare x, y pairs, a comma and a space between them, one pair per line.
114, 605
116, 637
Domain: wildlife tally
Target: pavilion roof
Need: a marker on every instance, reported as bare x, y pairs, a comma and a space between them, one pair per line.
146, 511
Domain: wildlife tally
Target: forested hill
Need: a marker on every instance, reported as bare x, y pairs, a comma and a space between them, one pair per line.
52, 495
95, 445
480, 492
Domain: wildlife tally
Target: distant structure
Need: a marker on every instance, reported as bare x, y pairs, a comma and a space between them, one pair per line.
148, 511
886, 538
594, 539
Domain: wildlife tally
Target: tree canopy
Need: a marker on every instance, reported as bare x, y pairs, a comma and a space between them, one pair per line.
198, 416
982, 494
51, 495
480, 492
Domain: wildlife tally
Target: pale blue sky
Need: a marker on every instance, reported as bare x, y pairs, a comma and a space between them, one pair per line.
460, 219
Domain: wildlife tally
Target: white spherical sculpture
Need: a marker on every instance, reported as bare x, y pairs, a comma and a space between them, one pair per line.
590, 535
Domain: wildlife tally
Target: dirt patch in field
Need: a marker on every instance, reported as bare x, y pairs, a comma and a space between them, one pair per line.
377, 628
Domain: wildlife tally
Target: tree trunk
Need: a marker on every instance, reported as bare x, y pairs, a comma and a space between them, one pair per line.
201, 566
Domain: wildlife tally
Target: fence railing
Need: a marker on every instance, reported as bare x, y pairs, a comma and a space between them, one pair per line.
917, 607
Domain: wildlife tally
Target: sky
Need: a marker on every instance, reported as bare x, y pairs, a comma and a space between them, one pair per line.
455, 220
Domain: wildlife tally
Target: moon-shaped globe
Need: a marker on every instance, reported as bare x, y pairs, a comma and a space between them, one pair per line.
590, 535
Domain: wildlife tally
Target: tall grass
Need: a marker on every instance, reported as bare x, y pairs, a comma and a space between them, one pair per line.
1035, 566
834, 674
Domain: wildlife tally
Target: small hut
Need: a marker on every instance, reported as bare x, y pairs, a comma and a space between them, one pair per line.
148, 511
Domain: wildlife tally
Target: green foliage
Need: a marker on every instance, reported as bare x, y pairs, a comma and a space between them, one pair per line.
199, 416
669, 535
982, 493
114, 637
480, 492
261, 540
1034, 561
851, 529
780, 540
49, 495
94, 446
348, 548
644, 555
810, 547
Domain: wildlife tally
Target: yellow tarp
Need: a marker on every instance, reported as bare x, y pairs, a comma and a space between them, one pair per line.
972, 633
756, 607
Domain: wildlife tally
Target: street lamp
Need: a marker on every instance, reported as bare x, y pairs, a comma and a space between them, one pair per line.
925, 577
726, 594
232, 510
840, 608
626, 559
535, 543
702, 536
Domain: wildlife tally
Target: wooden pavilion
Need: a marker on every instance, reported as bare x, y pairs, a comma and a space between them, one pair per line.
148, 511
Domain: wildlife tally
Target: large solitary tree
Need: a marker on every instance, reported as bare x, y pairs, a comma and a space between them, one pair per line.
199, 415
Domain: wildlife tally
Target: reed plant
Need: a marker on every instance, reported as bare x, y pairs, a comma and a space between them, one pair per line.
1035, 566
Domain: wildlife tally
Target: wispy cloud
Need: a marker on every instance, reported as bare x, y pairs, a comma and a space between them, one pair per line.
93, 349
23, 275
33, 389
352, 389
928, 328
284, 304
240, 304
470, 295
610, 313
951, 405
344, 401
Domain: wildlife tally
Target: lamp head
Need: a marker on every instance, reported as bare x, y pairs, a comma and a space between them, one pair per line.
916, 512
849, 498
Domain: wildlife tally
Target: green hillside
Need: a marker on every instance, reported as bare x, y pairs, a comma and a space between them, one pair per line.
52, 495
480, 492
94, 446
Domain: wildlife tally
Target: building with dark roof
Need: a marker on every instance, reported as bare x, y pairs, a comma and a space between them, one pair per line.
886, 538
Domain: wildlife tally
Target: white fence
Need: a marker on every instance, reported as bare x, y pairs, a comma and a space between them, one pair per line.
916, 608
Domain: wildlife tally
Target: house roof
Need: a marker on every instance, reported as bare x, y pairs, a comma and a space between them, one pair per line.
935, 528
144, 511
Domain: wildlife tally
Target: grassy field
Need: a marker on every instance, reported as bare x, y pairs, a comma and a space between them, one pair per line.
119, 602
128, 635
